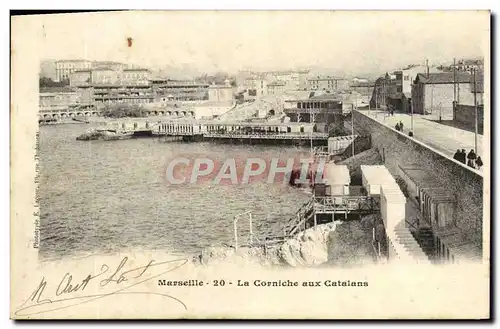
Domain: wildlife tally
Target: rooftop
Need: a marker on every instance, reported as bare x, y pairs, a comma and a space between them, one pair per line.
443, 78
103, 69
363, 84
327, 77
326, 97
277, 83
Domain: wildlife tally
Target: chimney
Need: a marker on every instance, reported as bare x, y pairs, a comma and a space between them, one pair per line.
427, 67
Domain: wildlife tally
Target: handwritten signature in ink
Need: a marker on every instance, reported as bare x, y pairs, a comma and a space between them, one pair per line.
68, 292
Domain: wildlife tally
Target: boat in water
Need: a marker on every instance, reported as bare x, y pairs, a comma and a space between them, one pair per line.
105, 134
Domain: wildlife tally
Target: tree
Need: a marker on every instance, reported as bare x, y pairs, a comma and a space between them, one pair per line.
48, 82
123, 111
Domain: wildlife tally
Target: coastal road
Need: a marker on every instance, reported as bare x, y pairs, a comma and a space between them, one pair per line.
444, 138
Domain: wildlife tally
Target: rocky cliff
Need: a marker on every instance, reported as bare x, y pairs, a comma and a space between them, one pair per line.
337, 243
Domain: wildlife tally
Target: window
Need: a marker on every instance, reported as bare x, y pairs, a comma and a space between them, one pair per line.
406, 77
399, 89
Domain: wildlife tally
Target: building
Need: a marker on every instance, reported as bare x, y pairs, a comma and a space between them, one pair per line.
137, 76
80, 78
64, 68
115, 66
58, 102
327, 83
434, 93
166, 89
105, 76
256, 85
115, 93
221, 93
56, 98
394, 89
290, 80
323, 110
276, 88
465, 114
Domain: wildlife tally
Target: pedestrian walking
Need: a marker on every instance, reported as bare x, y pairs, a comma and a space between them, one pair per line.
401, 126
457, 155
471, 159
398, 127
479, 163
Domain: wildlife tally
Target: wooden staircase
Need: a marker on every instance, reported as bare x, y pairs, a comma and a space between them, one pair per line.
305, 212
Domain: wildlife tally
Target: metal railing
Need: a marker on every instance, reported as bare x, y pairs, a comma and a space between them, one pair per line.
330, 205
315, 136
360, 203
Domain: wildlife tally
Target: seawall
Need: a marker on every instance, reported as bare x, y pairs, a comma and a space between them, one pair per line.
398, 149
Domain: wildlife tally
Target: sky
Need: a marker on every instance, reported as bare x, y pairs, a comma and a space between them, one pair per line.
349, 42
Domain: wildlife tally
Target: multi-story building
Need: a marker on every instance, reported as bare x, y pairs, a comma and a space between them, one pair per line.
136, 76
52, 99
276, 88
64, 68
166, 90
394, 89
256, 85
105, 85
115, 66
327, 83
56, 102
288, 79
324, 110
221, 93
80, 78
105, 76
117, 93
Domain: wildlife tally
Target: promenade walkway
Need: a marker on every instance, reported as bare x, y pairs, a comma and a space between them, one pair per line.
444, 138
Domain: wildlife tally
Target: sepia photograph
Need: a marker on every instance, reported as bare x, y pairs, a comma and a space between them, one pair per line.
250, 165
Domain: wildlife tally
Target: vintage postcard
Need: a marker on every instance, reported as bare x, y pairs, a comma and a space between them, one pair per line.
250, 165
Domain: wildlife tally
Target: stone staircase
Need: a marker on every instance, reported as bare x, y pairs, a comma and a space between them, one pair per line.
406, 246
425, 238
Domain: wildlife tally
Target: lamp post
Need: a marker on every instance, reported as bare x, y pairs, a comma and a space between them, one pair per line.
411, 105
475, 110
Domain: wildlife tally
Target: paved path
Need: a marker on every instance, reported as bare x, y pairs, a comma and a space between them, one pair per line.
444, 138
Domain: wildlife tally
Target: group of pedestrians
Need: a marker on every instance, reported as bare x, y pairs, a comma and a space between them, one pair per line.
399, 126
471, 159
